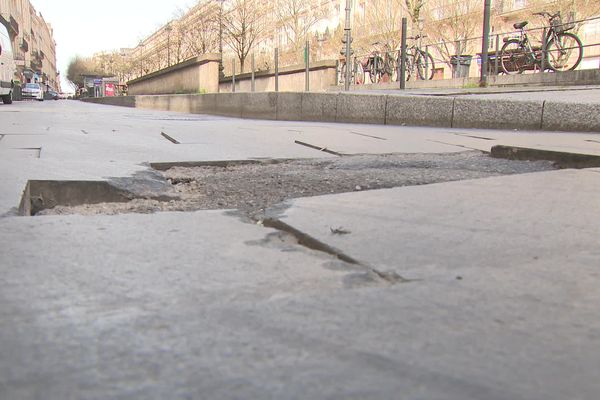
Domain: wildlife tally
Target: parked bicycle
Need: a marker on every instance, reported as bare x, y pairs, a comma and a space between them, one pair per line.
380, 64
563, 50
357, 76
419, 59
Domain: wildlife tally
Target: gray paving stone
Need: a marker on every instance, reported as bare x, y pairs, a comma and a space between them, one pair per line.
497, 114
320, 107
230, 104
419, 111
289, 106
364, 109
259, 105
564, 116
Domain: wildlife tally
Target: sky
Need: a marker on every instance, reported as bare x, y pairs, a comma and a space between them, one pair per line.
84, 27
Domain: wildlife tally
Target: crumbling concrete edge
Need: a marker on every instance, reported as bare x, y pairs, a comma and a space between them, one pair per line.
314, 244
559, 158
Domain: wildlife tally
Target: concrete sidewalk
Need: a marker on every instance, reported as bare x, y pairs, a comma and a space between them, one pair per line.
77, 141
475, 289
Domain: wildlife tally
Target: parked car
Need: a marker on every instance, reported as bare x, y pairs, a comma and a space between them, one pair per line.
51, 95
33, 91
7, 66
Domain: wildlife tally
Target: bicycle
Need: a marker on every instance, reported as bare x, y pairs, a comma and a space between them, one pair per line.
419, 59
563, 50
377, 64
380, 64
357, 76
374, 66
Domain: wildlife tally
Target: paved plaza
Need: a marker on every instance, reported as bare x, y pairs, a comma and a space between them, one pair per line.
481, 288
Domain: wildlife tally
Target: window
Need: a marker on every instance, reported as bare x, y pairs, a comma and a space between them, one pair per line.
519, 4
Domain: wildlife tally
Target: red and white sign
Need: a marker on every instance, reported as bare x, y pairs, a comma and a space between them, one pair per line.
109, 90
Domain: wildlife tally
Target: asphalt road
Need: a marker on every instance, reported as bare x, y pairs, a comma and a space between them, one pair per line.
474, 289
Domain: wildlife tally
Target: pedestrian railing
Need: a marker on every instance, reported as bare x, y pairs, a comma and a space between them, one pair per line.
426, 60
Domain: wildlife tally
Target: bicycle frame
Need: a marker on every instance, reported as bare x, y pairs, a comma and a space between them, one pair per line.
550, 35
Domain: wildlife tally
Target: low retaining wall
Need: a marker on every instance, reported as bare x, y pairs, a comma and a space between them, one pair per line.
379, 109
291, 79
567, 78
198, 75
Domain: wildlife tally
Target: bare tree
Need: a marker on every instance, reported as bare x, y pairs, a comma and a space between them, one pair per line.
244, 26
201, 28
453, 25
413, 8
384, 22
295, 19
81, 66
581, 9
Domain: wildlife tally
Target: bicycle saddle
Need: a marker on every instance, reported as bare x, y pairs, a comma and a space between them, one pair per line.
520, 25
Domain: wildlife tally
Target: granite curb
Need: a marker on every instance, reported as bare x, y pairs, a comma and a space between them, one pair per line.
388, 109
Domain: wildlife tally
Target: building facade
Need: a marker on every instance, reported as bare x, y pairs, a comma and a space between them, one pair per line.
33, 43
451, 26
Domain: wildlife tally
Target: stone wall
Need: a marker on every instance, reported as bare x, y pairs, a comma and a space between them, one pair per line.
291, 79
198, 75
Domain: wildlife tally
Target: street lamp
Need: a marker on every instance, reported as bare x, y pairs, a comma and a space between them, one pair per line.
221, 67
141, 45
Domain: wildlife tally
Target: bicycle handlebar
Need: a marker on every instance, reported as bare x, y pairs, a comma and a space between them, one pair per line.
547, 14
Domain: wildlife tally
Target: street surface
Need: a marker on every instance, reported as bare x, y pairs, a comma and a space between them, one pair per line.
474, 289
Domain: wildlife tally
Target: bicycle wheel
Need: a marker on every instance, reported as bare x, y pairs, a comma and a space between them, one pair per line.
564, 52
391, 69
425, 66
408, 62
376, 69
513, 57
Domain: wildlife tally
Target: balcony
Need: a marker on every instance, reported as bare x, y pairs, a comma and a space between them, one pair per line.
24, 46
11, 24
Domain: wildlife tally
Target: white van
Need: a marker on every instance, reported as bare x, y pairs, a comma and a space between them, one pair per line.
7, 66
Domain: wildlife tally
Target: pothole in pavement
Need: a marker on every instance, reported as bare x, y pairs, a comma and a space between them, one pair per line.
254, 186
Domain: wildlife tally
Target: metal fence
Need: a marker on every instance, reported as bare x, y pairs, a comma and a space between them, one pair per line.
510, 52
425, 60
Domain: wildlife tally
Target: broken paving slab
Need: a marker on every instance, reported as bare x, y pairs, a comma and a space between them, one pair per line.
231, 308
467, 225
125, 287
562, 159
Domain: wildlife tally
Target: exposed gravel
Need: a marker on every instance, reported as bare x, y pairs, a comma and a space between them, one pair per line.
252, 188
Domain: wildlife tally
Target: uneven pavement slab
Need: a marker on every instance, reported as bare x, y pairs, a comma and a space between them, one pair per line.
499, 299
467, 224
499, 302
145, 306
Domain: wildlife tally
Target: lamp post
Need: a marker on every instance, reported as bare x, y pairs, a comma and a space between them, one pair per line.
141, 58
347, 48
485, 44
221, 68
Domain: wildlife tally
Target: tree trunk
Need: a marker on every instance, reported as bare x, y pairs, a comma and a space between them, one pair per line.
242, 62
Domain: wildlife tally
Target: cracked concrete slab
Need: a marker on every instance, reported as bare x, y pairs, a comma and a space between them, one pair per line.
479, 221
500, 303
505, 268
